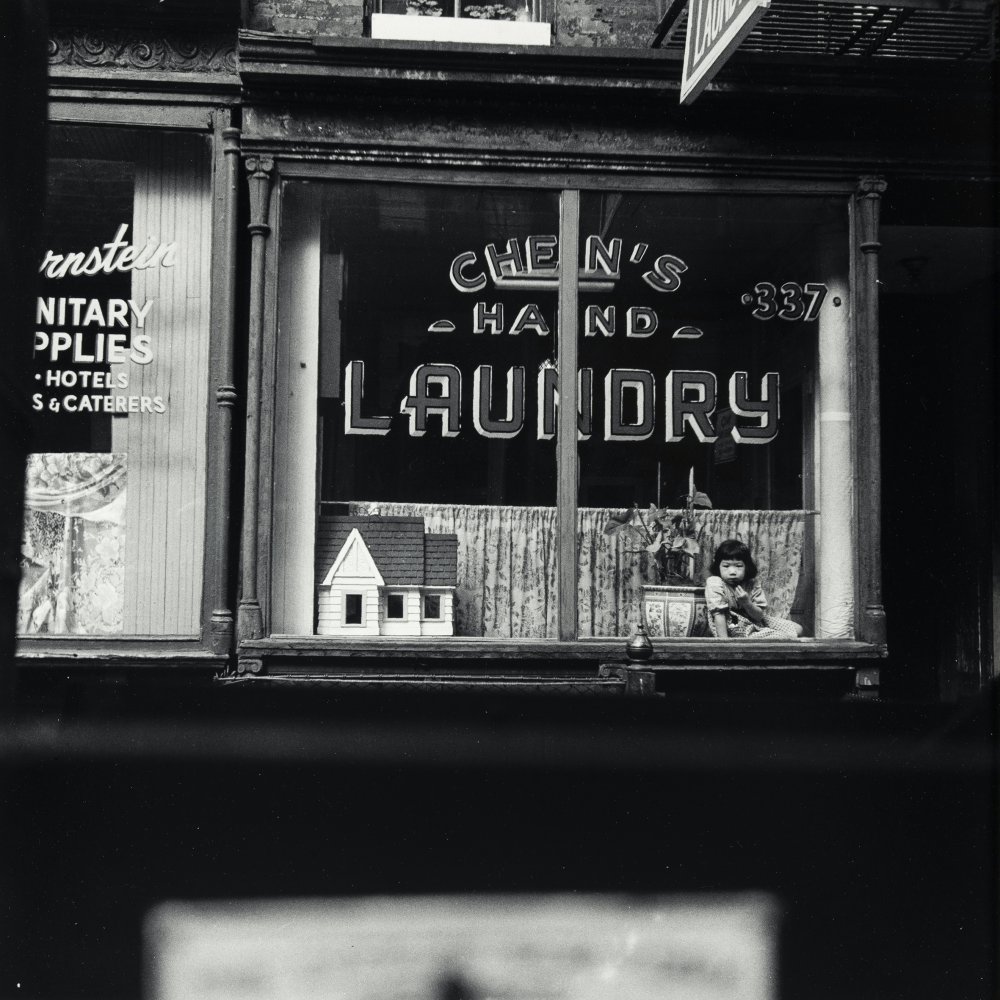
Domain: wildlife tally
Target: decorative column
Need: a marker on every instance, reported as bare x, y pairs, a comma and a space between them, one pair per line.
221, 622
871, 620
250, 624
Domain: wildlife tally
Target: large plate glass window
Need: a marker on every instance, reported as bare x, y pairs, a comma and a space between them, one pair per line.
115, 496
418, 469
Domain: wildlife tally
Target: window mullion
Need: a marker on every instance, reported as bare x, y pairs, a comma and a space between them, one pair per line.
566, 450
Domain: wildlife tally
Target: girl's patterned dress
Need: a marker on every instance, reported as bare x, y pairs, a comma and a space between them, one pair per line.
719, 596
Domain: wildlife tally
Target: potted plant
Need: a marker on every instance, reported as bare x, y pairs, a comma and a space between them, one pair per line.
672, 606
490, 12
424, 8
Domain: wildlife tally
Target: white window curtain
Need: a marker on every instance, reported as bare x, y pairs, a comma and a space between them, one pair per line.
507, 564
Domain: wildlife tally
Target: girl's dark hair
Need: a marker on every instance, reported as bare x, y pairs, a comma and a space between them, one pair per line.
733, 548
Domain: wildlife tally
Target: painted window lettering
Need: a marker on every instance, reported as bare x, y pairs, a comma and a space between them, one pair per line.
435, 403
108, 258
628, 396
792, 302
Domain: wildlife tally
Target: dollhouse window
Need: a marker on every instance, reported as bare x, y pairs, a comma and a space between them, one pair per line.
394, 606
352, 609
432, 606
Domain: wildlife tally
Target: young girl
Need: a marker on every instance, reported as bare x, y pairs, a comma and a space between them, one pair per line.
737, 607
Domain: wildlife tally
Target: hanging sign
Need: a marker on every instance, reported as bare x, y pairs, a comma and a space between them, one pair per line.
714, 29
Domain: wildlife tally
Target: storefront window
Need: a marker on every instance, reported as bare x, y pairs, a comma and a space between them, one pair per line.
114, 519
417, 400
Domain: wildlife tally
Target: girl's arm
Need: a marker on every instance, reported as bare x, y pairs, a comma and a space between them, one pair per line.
747, 606
721, 620
717, 601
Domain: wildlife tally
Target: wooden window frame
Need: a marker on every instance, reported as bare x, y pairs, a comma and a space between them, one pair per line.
88, 99
256, 645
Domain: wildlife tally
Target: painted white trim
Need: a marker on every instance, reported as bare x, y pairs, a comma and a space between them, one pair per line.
294, 523
353, 539
404, 27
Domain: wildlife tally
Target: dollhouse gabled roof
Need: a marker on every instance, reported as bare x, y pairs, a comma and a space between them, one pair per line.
403, 553
354, 561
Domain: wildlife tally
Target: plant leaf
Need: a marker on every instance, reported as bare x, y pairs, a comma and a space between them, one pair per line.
701, 500
620, 520
634, 534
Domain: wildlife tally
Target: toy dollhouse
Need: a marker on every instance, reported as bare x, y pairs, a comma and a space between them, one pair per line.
384, 576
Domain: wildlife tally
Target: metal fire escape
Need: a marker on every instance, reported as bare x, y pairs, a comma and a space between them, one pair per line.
959, 30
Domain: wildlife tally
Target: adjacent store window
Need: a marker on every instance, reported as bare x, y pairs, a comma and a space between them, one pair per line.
115, 499
417, 406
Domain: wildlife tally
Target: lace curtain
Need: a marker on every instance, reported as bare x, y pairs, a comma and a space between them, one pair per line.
507, 586
72, 578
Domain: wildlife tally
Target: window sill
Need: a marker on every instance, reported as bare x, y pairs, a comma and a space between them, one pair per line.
401, 27
706, 652
126, 650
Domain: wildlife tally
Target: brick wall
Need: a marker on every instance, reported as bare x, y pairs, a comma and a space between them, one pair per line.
584, 23
308, 17
605, 23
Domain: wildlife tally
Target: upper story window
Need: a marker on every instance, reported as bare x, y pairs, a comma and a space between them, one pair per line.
507, 22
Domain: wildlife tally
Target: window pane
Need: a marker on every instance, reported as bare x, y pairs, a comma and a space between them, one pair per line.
713, 328
352, 609
411, 444
115, 491
432, 606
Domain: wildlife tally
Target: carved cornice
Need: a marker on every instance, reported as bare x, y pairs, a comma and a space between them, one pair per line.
132, 50
301, 64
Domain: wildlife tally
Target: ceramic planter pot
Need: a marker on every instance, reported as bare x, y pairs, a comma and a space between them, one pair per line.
674, 611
